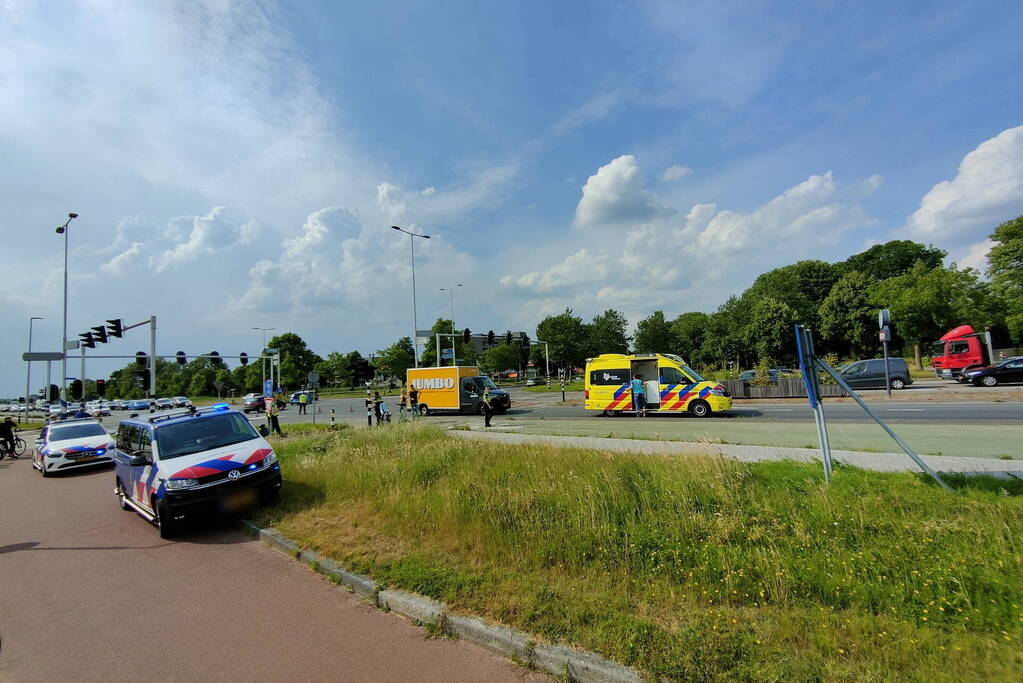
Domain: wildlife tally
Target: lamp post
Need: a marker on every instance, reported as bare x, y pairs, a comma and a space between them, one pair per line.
451, 297
262, 360
63, 230
28, 370
415, 319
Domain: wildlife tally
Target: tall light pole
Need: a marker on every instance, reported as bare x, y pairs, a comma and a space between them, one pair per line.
28, 369
451, 296
415, 318
63, 230
262, 361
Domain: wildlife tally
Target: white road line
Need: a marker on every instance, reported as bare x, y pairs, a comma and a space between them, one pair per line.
777, 410
905, 410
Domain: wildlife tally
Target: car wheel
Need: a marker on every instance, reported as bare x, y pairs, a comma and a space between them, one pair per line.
424, 409
989, 380
162, 520
122, 497
898, 383
42, 469
699, 408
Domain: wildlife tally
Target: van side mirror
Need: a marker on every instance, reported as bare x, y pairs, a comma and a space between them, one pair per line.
139, 459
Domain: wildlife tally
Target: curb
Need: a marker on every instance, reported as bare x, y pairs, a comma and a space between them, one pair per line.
519, 647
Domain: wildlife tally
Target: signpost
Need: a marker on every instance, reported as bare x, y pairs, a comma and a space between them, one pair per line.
268, 388
884, 319
313, 379
219, 385
42, 355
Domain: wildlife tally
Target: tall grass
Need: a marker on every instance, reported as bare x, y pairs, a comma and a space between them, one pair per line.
695, 568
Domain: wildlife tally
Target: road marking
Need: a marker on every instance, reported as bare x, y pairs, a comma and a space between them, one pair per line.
777, 410
905, 410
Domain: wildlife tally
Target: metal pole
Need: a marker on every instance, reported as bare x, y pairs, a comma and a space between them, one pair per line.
909, 451
451, 300
415, 317
152, 359
63, 343
47, 392
438, 350
28, 371
81, 373
547, 361
887, 378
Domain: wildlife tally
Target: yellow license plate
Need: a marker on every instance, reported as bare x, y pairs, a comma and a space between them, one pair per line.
241, 500
86, 458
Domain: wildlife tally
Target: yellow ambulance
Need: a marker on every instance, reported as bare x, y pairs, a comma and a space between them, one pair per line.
670, 385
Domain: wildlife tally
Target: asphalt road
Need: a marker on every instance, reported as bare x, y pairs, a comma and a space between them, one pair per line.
90, 592
526, 404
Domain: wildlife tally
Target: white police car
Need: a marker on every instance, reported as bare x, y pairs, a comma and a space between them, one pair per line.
194, 463
72, 444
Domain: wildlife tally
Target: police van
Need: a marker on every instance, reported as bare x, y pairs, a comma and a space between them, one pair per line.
190, 464
670, 385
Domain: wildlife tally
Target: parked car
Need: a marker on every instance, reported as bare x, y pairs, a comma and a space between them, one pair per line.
1009, 370
294, 397
535, 381
774, 374
869, 374
181, 401
138, 404
253, 402
164, 403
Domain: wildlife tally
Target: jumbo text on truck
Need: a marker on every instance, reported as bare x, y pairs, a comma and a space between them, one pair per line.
457, 389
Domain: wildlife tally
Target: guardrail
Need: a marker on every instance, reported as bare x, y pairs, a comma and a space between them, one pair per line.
782, 388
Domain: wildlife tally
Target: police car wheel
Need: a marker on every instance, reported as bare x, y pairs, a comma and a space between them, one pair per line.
163, 521
42, 470
122, 497
699, 408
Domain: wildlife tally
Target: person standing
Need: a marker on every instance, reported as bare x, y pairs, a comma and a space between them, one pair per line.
488, 410
638, 399
273, 414
376, 406
413, 401
402, 399
303, 400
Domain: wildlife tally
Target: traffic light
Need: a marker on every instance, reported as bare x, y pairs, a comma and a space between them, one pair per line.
216, 359
507, 337
115, 328
143, 378
182, 358
490, 337
87, 341
99, 334
141, 359
525, 340
243, 358
101, 388
76, 389
466, 335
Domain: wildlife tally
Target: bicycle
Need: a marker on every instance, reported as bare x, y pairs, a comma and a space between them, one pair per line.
19, 448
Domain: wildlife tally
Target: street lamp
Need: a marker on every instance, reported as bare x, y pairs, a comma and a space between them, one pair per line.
63, 230
262, 353
415, 320
451, 296
28, 369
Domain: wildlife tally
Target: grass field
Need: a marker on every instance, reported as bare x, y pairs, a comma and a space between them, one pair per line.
695, 569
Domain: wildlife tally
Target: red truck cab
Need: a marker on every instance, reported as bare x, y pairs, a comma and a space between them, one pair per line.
959, 349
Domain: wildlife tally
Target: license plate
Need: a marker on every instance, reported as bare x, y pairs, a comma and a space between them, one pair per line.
86, 458
240, 500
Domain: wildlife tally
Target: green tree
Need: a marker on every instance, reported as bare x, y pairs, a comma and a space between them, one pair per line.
608, 333
802, 286
296, 359
724, 340
690, 331
201, 383
927, 302
849, 318
1005, 268
502, 357
770, 331
654, 334
396, 358
891, 259
567, 336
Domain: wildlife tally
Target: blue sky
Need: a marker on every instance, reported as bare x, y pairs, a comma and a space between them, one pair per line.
236, 164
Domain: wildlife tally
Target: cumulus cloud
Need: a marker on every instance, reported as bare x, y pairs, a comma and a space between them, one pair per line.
664, 260
202, 235
987, 190
673, 173
615, 195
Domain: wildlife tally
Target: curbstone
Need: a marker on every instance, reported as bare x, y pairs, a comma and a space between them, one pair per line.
412, 606
361, 585
275, 540
248, 528
500, 639
587, 667
309, 559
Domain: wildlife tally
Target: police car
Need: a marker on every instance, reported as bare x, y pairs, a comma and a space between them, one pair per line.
71, 444
194, 463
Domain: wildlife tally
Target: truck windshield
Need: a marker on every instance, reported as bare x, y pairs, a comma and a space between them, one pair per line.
938, 349
487, 382
203, 434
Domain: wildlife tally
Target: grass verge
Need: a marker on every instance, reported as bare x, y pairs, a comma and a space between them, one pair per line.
701, 569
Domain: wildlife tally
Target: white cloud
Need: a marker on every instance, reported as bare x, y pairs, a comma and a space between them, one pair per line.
676, 172
987, 190
615, 195
975, 256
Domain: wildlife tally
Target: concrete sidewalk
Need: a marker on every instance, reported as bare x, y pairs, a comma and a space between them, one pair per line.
879, 462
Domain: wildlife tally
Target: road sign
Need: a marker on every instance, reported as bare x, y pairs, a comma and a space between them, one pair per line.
218, 385
71, 345
268, 387
885, 334
313, 377
422, 341
884, 319
446, 353
42, 355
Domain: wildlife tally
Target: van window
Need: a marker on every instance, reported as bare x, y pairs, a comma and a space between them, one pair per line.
604, 378
855, 369
673, 376
145, 444
875, 367
468, 385
959, 347
127, 438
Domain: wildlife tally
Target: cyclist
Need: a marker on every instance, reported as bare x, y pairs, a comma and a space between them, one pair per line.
7, 430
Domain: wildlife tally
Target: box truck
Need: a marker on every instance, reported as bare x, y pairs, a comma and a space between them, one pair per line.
457, 389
